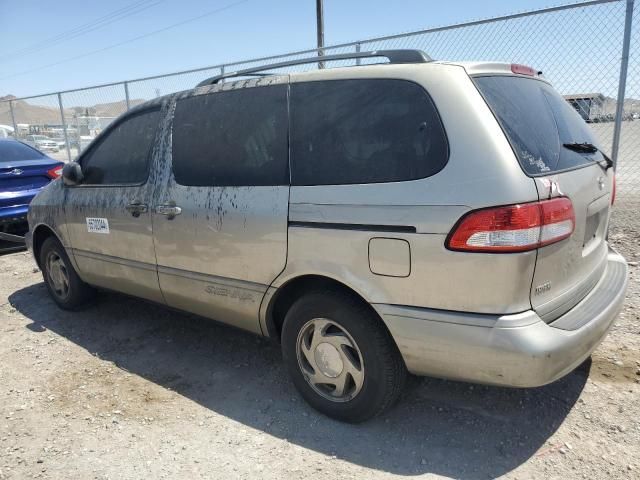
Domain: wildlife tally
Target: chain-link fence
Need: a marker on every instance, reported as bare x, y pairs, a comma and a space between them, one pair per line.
579, 47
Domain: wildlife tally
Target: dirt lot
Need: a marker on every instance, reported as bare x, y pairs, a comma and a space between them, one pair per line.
125, 390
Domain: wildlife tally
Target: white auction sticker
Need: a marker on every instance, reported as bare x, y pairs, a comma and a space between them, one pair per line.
97, 225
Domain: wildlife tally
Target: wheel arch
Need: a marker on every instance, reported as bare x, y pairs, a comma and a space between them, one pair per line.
290, 291
40, 234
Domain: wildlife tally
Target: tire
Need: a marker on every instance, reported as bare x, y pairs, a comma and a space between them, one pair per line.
348, 329
64, 285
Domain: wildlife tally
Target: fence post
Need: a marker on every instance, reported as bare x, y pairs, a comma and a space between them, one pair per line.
126, 95
622, 84
64, 128
320, 30
358, 62
13, 120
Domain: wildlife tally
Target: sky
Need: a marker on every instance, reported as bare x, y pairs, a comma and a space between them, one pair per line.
46, 48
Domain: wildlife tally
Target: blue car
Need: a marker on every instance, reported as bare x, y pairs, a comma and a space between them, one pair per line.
24, 171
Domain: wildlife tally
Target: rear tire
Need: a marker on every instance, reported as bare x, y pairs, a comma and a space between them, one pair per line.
64, 285
341, 358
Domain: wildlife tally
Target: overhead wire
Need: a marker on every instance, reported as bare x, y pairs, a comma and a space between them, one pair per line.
83, 29
125, 42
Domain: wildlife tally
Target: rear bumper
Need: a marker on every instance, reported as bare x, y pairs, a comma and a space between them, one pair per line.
518, 350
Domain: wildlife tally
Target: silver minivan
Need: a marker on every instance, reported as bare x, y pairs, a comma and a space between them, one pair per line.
413, 216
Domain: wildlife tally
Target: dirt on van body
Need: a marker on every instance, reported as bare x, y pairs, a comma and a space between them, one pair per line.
128, 390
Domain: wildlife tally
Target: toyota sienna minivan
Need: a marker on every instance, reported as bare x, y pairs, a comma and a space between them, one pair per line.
433, 218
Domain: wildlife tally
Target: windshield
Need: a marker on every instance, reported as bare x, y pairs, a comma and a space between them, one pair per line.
11, 151
537, 122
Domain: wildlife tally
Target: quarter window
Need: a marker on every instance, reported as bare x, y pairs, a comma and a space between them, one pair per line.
232, 138
122, 156
364, 131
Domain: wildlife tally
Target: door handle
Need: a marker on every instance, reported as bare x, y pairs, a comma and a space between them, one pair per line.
136, 208
169, 210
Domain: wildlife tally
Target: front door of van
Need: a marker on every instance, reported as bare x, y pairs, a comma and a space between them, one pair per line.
108, 215
220, 220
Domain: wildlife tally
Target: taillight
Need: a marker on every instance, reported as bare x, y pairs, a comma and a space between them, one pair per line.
513, 228
613, 190
55, 172
523, 70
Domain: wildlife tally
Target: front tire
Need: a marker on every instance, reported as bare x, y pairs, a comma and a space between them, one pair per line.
340, 356
64, 285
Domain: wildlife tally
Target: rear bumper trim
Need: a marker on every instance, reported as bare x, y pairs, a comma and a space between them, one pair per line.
597, 302
519, 350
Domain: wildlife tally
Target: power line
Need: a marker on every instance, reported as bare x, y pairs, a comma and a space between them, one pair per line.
139, 37
83, 29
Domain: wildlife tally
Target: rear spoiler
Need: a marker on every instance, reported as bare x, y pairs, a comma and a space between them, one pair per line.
498, 68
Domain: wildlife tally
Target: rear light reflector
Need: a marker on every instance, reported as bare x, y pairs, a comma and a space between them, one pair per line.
523, 70
513, 228
55, 172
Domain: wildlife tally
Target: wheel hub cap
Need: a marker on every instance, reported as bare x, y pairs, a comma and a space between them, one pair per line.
58, 275
328, 360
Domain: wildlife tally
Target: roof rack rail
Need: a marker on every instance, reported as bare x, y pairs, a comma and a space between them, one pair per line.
394, 56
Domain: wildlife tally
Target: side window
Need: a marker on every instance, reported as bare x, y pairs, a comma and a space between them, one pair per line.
232, 138
364, 131
122, 156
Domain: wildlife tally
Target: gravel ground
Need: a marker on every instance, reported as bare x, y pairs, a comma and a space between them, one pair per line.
125, 389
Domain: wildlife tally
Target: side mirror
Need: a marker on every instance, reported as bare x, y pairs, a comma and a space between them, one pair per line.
72, 174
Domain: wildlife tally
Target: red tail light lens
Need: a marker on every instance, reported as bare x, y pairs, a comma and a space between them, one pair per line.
523, 70
514, 228
55, 172
558, 220
613, 190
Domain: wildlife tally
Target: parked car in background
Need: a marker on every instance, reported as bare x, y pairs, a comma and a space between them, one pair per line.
60, 142
438, 218
42, 142
24, 171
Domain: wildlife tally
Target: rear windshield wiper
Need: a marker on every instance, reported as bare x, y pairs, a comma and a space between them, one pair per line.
586, 147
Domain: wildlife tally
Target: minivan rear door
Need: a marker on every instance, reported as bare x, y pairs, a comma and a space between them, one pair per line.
548, 138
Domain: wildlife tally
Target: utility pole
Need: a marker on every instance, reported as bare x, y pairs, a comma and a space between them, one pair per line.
320, 30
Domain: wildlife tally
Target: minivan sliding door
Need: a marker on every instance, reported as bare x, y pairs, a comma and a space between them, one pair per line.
220, 222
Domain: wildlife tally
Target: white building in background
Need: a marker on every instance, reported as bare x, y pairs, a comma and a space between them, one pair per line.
590, 106
6, 131
91, 126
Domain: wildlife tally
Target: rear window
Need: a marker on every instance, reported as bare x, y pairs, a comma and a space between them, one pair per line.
11, 151
364, 131
537, 122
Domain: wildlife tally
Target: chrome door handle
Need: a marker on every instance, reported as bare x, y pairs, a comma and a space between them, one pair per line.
168, 209
136, 208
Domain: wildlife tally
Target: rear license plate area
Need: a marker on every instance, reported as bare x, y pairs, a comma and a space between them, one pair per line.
591, 228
